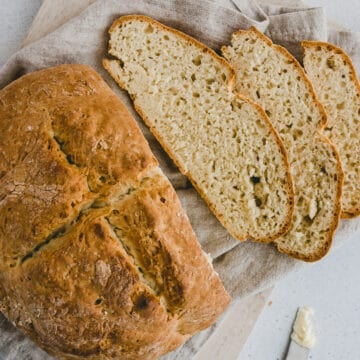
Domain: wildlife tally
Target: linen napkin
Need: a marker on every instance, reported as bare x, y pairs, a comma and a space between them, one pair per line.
244, 267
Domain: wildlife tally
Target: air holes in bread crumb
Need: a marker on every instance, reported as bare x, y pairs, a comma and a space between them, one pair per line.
149, 29
258, 201
340, 106
197, 61
330, 62
297, 134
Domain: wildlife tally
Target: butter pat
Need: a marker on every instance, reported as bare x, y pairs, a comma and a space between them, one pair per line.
303, 329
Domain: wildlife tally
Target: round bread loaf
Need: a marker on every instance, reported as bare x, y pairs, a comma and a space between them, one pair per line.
98, 259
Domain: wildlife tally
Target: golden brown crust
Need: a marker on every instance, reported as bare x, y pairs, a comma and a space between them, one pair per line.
354, 211
231, 87
340, 177
40, 130
120, 274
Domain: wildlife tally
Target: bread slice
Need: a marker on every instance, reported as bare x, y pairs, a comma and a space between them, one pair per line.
271, 76
337, 86
222, 141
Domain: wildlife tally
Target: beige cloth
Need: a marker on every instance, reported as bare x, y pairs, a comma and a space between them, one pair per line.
244, 267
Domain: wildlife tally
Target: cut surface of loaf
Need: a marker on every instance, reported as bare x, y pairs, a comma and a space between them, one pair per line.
222, 141
98, 259
271, 76
336, 84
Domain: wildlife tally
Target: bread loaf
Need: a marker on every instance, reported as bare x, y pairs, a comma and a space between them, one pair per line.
98, 260
222, 141
271, 76
337, 86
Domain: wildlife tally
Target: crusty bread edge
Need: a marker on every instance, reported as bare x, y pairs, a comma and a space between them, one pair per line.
231, 87
354, 211
337, 212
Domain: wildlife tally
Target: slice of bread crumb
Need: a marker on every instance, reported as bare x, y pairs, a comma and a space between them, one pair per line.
222, 141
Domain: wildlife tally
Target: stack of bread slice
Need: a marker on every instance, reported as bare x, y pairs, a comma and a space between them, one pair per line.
261, 160
278, 83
